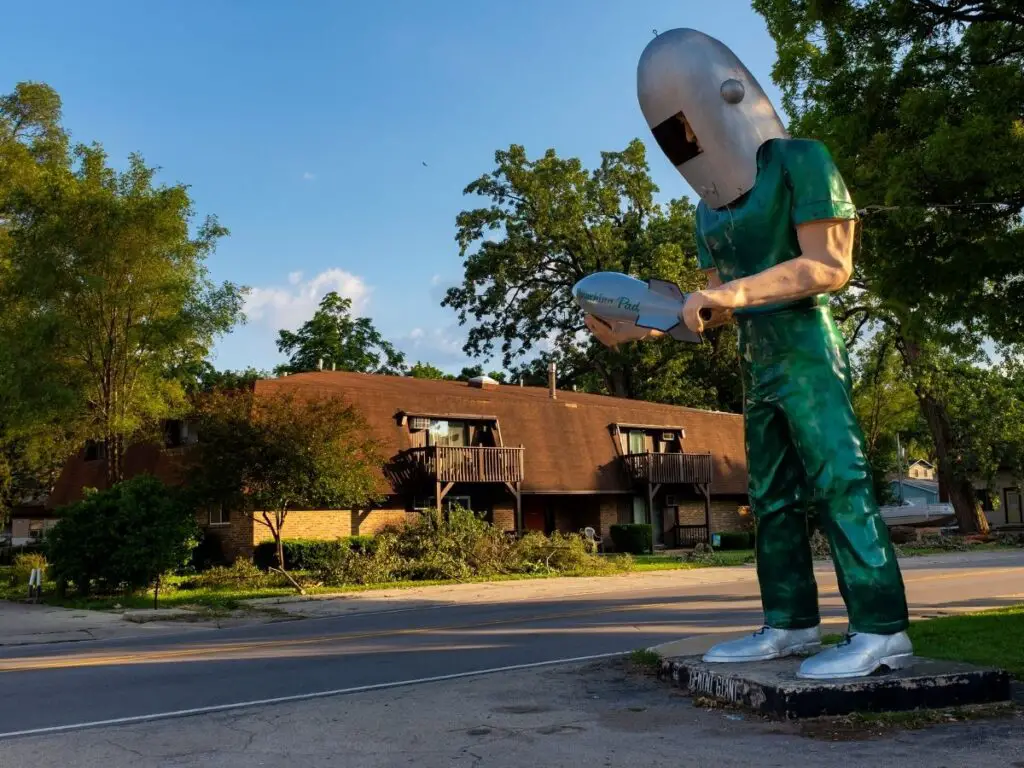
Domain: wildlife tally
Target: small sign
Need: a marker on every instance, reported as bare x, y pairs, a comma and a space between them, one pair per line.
716, 540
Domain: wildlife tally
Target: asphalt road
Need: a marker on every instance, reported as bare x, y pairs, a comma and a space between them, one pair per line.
53, 687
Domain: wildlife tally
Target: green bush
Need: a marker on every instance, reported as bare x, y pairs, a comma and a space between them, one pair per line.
460, 546
23, 566
704, 554
242, 574
632, 538
123, 538
732, 540
378, 564
308, 554
945, 543
565, 553
208, 553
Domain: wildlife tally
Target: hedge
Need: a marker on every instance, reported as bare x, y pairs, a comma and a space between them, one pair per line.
634, 538
306, 554
734, 540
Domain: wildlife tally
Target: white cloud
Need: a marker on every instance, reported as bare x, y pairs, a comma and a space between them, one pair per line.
440, 346
435, 280
307, 176
289, 307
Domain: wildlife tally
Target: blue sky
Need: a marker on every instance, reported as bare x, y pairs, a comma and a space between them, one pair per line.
304, 127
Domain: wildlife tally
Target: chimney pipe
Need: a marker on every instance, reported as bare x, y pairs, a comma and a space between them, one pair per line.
551, 380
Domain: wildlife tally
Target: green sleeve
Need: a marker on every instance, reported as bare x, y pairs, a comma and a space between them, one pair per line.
819, 191
704, 260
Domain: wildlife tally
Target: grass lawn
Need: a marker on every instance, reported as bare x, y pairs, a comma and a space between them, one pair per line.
988, 638
226, 598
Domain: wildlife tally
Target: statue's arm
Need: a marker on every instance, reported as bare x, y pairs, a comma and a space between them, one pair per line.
824, 266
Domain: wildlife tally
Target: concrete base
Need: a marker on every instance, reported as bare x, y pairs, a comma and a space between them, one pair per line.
772, 687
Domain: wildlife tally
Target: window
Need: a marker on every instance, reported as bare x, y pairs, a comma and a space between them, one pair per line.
35, 529
423, 503
637, 443
219, 515
639, 509
448, 433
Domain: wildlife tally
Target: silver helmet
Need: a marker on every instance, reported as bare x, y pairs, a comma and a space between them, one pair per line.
706, 111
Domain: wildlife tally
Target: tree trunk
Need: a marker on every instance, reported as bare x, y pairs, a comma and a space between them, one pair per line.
114, 459
968, 511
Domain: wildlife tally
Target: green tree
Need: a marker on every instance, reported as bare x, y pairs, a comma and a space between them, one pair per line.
337, 341
422, 370
125, 537
559, 222
33, 144
107, 289
887, 408
204, 377
473, 371
919, 102
265, 456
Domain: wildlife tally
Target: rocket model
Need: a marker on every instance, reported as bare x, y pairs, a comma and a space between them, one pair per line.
618, 298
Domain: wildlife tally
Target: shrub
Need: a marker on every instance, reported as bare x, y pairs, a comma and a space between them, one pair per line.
209, 553
731, 540
820, 550
378, 564
24, 564
634, 538
308, 554
703, 554
125, 537
946, 543
565, 553
1009, 539
241, 574
902, 534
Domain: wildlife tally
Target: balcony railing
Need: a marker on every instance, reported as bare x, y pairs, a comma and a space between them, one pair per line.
477, 464
669, 467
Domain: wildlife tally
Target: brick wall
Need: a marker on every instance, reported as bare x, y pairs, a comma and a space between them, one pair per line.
504, 515
240, 536
612, 510
725, 515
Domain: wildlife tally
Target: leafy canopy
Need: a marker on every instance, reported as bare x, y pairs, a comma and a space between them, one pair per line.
338, 341
546, 224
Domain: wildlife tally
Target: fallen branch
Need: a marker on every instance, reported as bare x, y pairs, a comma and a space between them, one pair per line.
298, 587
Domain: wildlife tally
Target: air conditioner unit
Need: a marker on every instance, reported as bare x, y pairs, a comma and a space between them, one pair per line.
671, 500
417, 423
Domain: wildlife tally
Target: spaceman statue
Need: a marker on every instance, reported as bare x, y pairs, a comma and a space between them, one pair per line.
775, 226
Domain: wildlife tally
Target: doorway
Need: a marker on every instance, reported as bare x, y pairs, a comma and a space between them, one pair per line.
1012, 499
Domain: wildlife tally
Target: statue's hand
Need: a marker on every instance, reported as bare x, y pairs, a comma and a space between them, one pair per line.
611, 335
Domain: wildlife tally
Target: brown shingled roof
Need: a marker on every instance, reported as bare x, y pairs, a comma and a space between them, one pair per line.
568, 445
79, 474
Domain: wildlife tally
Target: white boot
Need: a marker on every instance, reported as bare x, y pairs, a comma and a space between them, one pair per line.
767, 643
859, 655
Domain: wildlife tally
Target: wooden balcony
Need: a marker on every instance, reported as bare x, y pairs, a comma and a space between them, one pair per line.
669, 468
469, 465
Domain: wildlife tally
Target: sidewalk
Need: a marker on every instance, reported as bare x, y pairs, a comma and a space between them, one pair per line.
496, 592
28, 624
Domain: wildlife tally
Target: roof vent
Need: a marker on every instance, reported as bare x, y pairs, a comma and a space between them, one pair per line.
483, 382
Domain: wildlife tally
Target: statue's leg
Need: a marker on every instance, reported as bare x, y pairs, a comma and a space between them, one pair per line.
816, 400
785, 572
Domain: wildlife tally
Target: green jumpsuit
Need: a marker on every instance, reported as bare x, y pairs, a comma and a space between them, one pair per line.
805, 449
